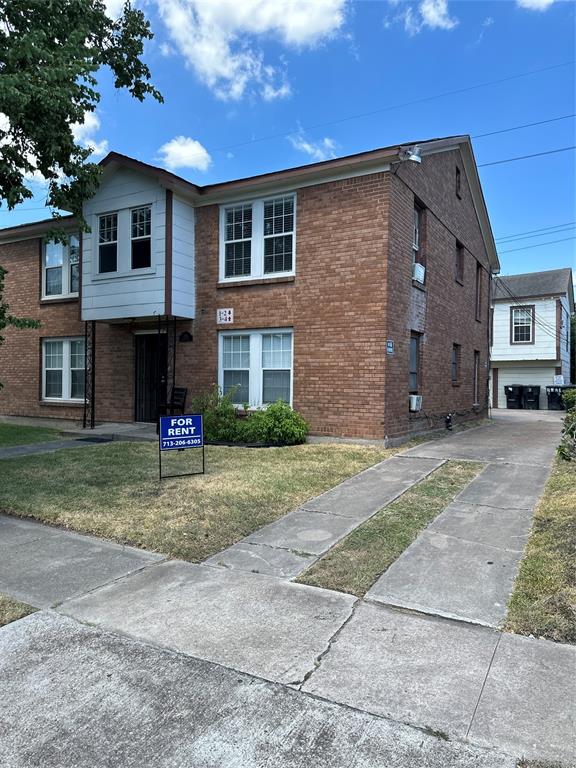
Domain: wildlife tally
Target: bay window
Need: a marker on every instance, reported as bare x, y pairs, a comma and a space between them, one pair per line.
60, 268
257, 238
255, 367
63, 369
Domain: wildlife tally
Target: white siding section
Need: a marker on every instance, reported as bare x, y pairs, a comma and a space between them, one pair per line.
529, 375
125, 293
183, 283
544, 347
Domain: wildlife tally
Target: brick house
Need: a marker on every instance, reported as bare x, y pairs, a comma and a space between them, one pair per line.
531, 332
342, 287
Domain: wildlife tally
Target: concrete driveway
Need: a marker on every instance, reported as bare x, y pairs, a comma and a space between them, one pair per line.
171, 664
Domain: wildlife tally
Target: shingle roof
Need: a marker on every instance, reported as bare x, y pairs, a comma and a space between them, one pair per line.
549, 283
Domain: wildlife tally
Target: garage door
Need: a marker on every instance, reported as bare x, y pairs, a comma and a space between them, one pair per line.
542, 377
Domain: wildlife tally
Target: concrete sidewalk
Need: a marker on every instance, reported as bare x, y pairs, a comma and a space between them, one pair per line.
473, 684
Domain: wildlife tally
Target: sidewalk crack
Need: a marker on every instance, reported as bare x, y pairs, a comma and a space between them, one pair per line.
298, 684
483, 686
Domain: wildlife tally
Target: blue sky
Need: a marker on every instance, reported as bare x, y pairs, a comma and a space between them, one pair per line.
235, 72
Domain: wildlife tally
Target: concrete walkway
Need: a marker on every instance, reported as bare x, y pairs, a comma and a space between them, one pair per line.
342, 664
30, 449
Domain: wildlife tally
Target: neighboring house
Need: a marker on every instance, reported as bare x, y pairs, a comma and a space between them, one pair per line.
531, 331
341, 287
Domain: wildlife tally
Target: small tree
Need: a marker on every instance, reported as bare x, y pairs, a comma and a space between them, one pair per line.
6, 319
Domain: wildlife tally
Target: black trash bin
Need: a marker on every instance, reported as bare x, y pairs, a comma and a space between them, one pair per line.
513, 394
531, 398
554, 395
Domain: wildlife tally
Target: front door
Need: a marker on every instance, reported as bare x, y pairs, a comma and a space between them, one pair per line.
151, 361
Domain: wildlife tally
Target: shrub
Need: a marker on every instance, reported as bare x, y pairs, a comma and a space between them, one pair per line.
569, 399
277, 424
567, 447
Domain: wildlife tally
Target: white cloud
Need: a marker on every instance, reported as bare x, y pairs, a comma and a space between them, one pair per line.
184, 152
84, 134
324, 149
114, 7
535, 5
433, 14
219, 39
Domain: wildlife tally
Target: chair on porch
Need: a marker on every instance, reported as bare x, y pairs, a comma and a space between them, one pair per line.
176, 404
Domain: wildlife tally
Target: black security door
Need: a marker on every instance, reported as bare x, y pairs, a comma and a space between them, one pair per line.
151, 367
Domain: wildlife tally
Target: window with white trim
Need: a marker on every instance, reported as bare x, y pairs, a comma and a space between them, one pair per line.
108, 243
255, 367
60, 268
522, 323
141, 240
257, 239
63, 369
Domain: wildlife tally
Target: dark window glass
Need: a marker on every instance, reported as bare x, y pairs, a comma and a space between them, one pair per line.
278, 254
414, 363
141, 256
108, 258
459, 267
238, 258
458, 183
478, 291
53, 281
455, 374
476, 382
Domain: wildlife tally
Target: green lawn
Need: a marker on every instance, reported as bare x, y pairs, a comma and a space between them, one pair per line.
543, 602
15, 434
113, 491
11, 610
357, 561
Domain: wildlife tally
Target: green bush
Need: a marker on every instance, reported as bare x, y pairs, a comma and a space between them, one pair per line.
277, 424
567, 447
569, 399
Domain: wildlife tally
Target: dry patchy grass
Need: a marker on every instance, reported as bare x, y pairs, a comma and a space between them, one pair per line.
16, 434
113, 491
11, 610
357, 561
543, 602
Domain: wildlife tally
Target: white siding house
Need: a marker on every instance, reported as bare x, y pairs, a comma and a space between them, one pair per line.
531, 332
138, 258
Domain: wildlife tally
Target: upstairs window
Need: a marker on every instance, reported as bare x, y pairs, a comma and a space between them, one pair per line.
522, 325
141, 254
459, 264
478, 291
60, 268
238, 243
257, 238
108, 243
416, 233
418, 249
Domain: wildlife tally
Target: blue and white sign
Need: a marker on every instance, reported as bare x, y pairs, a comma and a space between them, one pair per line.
178, 432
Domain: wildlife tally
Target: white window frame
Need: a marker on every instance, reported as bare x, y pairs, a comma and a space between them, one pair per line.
66, 370
66, 293
124, 242
530, 324
140, 237
256, 378
257, 240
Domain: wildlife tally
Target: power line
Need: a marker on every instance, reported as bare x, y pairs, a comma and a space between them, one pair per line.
538, 245
540, 234
547, 327
527, 157
530, 231
519, 127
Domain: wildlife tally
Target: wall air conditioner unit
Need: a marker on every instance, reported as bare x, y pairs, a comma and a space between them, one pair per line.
418, 272
415, 403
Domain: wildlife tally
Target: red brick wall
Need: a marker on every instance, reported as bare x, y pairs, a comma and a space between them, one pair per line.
448, 307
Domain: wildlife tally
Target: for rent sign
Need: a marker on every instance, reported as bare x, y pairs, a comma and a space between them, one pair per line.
178, 432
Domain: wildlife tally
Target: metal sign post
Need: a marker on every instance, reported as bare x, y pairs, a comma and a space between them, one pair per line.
177, 433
